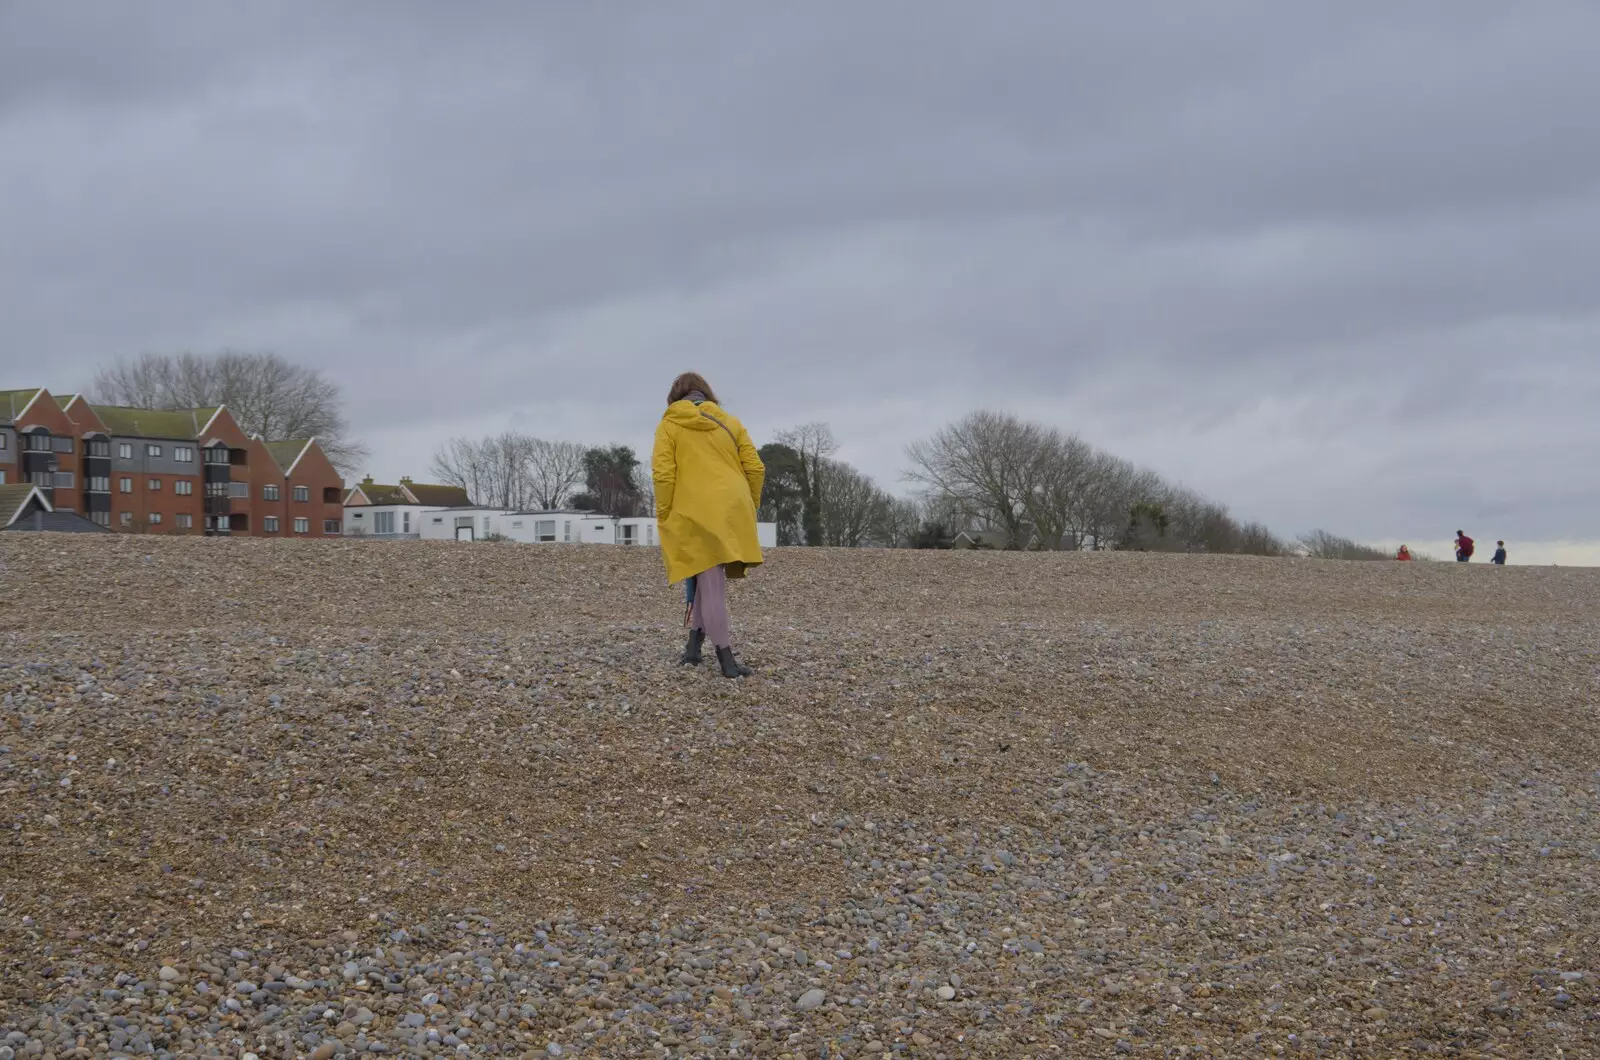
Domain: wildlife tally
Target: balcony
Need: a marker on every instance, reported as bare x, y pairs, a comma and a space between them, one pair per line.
218, 505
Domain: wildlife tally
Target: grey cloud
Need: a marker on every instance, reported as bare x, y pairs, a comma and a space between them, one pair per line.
1336, 271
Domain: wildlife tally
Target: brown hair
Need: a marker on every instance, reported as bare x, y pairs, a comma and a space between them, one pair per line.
688, 383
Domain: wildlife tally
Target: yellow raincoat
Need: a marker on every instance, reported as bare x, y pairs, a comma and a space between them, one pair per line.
708, 480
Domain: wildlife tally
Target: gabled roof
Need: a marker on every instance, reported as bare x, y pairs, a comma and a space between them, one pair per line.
62, 522
12, 402
378, 493
63, 400
440, 496
180, 424
407, 492
287, 451
14, 500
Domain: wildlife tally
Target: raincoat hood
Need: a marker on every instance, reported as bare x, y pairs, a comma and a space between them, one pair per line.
688, 415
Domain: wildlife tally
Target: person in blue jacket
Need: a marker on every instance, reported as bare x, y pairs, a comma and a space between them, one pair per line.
1499, 559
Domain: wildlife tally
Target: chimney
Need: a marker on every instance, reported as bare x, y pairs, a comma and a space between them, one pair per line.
405, 480
368, 480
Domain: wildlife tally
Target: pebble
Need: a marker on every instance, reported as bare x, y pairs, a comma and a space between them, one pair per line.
1200, 851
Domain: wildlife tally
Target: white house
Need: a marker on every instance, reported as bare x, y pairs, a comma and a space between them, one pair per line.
458, 524
559, 527
375, 510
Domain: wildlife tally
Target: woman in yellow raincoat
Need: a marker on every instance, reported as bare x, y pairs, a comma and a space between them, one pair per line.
708, 480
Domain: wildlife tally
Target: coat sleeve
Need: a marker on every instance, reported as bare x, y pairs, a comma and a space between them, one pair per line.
664, 470
755, 472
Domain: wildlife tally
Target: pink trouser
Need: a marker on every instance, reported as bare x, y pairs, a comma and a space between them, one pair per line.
710, 612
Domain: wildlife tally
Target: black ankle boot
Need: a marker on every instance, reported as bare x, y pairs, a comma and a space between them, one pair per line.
691, 650
731, 667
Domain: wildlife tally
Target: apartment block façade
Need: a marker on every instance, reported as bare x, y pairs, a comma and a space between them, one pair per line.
185, 471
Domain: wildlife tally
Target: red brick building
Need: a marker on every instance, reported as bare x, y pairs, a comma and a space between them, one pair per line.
184, 471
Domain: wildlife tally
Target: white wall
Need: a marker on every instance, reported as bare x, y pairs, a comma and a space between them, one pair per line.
439, 524
361, 520
568, 527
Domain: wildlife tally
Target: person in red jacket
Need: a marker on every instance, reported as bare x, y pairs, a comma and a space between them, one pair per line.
1404, 553
1463, 547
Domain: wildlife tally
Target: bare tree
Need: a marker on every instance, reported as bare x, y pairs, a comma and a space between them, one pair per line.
554, 471
644, 485
266, 393
852, 505
460, 462
511, 470
1059, 478
983, 465
812, 443
1319, 544
900, 520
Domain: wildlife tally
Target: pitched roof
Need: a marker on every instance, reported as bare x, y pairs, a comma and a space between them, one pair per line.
183, 424
12, 402
286, 451
14, 498
407, 492
59, 522
63, 400
440, 496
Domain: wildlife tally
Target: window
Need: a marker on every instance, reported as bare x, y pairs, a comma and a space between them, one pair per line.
185, 520
126, 518
240, 490
97, 484
36, 443
97, 447
544, 530
63, 480
217, 454
61, 445
153, 484
217, 489
383, 522
302, 493
438, 519
330, 526
125, 485
566, 529
302, 525
182, 487
184, 454
125, 450
3, 442
269, 493
405, 519
152, 450
155, 518
516, 524
102, 518
2, 476
270, 524
45, 479
486, 525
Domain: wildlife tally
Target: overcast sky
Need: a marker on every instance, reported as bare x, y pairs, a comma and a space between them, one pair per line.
1335, 271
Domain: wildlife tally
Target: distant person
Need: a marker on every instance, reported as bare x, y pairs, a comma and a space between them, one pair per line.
708, 480
1499, 559
1403, 554
1464, 547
